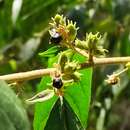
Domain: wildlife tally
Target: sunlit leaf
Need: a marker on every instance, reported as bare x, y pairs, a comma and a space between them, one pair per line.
78, 95
50, 52
16, 8
43, 110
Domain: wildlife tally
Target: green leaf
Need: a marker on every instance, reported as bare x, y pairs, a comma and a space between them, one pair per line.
12, 114
101, 119
50, 52
72, 121
16, 8
63, 118
42, 113
43, 110
55, 122
80, 108
78, 95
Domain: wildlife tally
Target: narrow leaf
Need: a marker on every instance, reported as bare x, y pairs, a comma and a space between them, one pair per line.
101, 119
50, 52
16, 8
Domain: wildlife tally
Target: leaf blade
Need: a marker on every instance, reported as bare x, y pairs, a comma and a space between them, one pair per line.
43, 110
78, 95
12, 114
50, 52
16, 8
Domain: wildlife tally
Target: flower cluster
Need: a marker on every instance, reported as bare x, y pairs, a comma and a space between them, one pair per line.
62, 31
91, 44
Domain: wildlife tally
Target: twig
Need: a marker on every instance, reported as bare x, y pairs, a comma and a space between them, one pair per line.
106, 61
18, 77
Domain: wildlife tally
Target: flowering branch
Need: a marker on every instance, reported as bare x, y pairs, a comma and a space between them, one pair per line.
29, 75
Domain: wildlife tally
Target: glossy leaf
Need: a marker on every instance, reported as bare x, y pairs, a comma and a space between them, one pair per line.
50, 52
43, 110
78, 95
63, 118
55, 121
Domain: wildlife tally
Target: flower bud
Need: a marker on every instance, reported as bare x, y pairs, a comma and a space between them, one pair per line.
72, 31
81, 44
92, 40
71, 67
58, 19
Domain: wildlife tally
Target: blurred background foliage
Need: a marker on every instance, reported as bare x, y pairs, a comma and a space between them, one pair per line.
24, 33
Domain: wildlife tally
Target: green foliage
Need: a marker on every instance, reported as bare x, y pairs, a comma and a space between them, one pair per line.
78, 96
42, 110
79, 107
80, 104
63, 120
92, 44
24, 33
42, 113
50, 52
12, 114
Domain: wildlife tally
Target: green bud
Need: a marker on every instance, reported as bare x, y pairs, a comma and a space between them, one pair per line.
64, 57
72, 31
62, 61
71, 67
100, 51
81, 44
73, 76
58, 18
92, 40
94, 44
